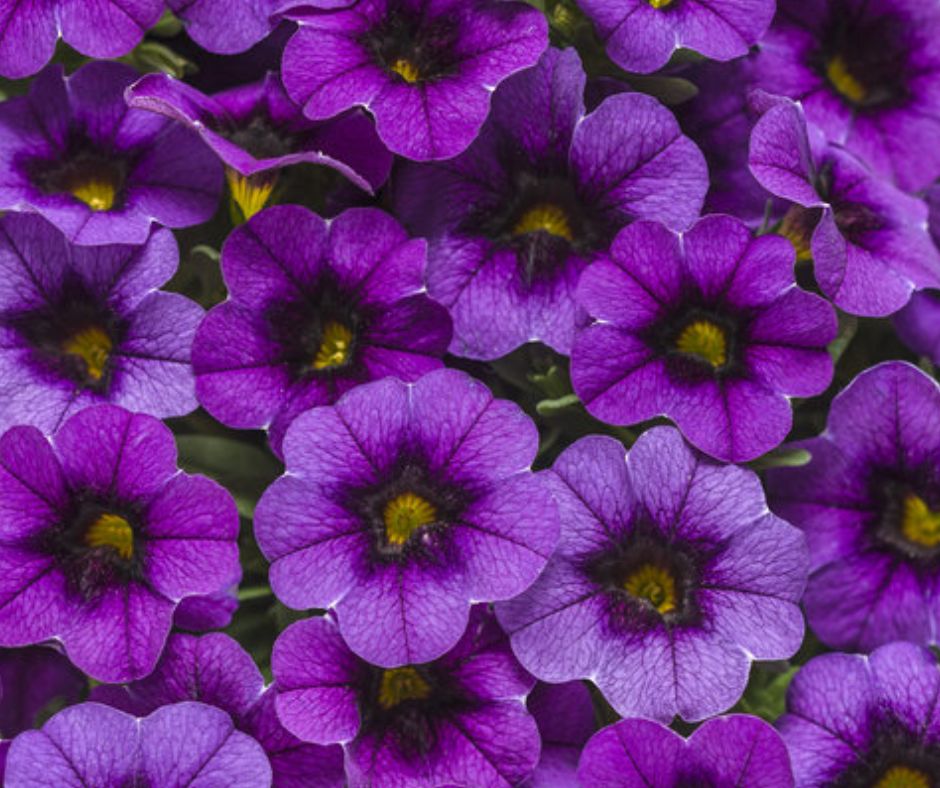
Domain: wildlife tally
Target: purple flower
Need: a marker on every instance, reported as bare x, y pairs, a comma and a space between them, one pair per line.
565, 716
514, 220
855, 720
656, 592
918, 324
101, 536
211, 611
708, 328
867, 239
256, 130
186, 744
403, 503
734, 750
641, 35
315, 308
226, 26
460, 720
83, 325
72, 151
868, 73
216, 670
96, 28
869, 503
424, 68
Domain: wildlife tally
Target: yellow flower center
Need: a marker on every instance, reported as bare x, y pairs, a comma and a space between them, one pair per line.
335, 346
407, 70
659, 3
903, 777
654, 584
93, 346
919, 524
405, 514
250, 193
839, 76
98, 193
704, 340
400, 684
111, 530
547, 217
797, 230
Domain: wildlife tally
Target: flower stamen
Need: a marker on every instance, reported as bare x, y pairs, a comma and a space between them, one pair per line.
845, 83
903, 777
98, 193
401, 684
546, 217
93, 346
655, 585
704, 340
112, 530
405, 514
335, 346
919, 524
407, 70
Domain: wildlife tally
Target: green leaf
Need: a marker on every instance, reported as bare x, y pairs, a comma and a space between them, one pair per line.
848, 326
550, 407
782, 457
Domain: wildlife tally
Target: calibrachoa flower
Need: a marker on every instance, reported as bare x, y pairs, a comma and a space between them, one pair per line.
227, 26
868, 240
72, 151
641, 35
514, 220
869, 503
83, 325
918, 324
315, 308
215, 669
256, 130
403, 503
708, 328
734, 750
868, 73
460, 720
670, 577
101, 536
424, 68
186, 744
854, 720
565, 716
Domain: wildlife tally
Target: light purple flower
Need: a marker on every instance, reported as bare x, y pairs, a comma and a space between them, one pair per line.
565, 716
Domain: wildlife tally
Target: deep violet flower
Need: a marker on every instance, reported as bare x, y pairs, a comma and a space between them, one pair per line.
256, 130
565, 716
215, 669
400, 505
424, 68
670, 577
734, 750
85, 325
869, 503
514, 220
72, 151
460, 720
210, 611
853, 720
868, 240
315, 308
226, 26
708, 328
101, 536
641, 35
868, 73
186, 744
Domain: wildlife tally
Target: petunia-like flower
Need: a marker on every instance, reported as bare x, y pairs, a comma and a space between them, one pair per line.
514, 220
565, 716
855, 720
216, 670
256, 130
734, 750
186, 744
72, 151
82, 326
315, 308
424, 68
460, 720
641, 35
869, 503
226, 26
101, 536
670, 577
708, 328
868, 240
868, 73
403, 503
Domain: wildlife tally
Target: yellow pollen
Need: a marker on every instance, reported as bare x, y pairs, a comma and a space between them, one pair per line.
335, 345
405, 514
97, 193
659, 3
544, 216
400, 684
837, 72
704, 340
250, 193
794, 228
903, 777
655, 585
93, 346
919, 524
407, 70
110, 530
